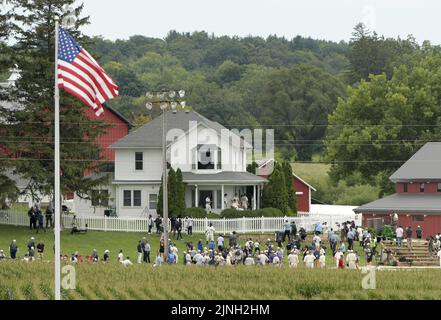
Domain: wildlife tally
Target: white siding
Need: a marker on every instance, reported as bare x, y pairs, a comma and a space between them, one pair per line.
125, 165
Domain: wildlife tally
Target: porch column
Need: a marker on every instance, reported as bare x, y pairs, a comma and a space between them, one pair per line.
223, 198
258, 197
196, 196
254, 197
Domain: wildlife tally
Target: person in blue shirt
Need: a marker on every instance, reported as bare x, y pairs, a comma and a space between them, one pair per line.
200, 246
318, 228
211, 245
171, 258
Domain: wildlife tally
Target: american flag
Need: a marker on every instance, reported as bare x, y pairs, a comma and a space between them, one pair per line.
80, 75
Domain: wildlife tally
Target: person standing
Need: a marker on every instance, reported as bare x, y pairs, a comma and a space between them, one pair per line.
351, 238
40, 250
287, 232
13, 249
220, 243
322, 260
293, 259
147, 249
139, 251
409, 233
120, 256
32, 213
40, 220
351, 259
419, 232
179, 229
150, 224
337, 257
48, 213
209, 233
309, 260
399, 233
190, 226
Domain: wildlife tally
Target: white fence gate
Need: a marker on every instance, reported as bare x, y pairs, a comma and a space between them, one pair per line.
240, 225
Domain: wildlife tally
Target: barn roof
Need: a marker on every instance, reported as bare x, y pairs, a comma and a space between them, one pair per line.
424, 165
404, 203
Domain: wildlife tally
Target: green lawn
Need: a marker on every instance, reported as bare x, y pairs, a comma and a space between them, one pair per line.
113, 241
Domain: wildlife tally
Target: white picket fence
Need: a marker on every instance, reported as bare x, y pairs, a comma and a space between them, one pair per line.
240, 225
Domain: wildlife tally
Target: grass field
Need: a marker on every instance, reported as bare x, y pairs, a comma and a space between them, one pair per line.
34, 281
311, 171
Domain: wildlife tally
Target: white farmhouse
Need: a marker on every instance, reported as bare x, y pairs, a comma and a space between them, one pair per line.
212, 158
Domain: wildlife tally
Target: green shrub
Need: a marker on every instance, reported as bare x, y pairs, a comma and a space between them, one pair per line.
199, 213
266, 212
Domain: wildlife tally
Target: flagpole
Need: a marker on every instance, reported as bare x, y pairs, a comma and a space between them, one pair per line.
57, 205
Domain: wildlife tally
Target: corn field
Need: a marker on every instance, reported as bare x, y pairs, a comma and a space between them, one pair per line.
34, 281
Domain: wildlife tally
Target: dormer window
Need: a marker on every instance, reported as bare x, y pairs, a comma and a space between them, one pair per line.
422, 186
209, 157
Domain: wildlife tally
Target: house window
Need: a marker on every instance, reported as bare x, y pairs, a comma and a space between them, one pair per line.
422, 185
405, 187
439, 187
127, 198
100, 198
139, 161
137, 198
153, 201
418, 218
205, 157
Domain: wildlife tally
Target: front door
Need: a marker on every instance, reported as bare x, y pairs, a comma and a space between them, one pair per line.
203, 195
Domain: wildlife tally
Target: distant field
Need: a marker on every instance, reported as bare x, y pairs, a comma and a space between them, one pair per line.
311, 171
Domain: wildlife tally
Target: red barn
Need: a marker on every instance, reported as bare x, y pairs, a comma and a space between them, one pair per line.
120, 127
302, 188
417, 200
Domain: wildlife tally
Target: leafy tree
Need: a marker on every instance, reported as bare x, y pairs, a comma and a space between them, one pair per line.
292, 197
160, 206
297, 102
383, 122
251, 168
275, 194
140, 121
30, 133
228, 72
172, 191
180, 193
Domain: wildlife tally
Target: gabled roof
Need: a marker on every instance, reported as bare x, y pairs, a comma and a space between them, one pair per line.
404, 203
424, 165
150, 135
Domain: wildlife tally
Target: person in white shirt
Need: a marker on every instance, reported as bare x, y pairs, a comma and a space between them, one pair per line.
209, 233
293, 259
439, 256
263, 259
337, 257
187, 259
220, 243
199, 259
322, 260
126, 262
309, 260
351, 259
249, 261
316, 241
276, 261
175, 252
208, 204
120, 256
399, 233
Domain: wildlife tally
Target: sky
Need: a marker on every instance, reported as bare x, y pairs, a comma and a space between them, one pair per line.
319, 19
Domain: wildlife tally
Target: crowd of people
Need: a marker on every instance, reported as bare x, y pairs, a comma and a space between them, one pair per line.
290, 245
